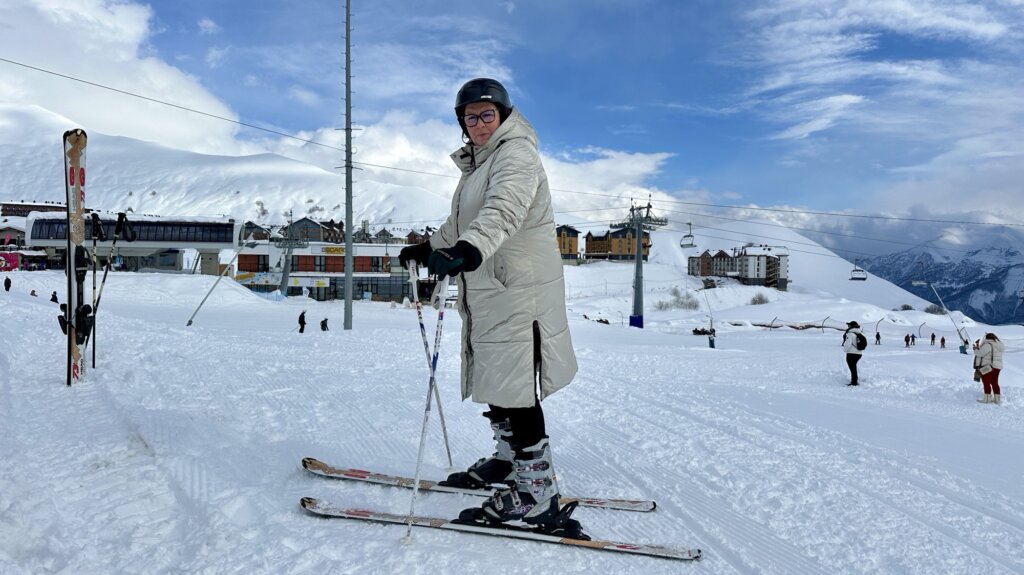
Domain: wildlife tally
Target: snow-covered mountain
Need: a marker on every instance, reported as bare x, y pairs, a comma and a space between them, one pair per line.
985, 283
150, 178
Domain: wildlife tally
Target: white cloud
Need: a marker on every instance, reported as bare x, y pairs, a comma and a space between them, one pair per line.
215, 57
207, 26
942, 122
108, 44
304, 96
822, 114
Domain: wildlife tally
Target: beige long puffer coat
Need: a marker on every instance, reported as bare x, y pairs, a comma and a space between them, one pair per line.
502, 206
989, 355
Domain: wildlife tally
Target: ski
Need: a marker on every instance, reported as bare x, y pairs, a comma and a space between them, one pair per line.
320, 468
325, 509
76, 320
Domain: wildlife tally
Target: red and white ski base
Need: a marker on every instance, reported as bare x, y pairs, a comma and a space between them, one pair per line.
320, 468
325, 509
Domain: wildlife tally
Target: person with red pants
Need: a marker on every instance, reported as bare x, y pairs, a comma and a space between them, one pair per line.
989, 359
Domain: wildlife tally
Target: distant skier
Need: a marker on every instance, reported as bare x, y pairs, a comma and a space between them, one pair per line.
913, 339
906, 340
53, 297
854, 343
942, 342
7, 284
302, 321
33, 293
933, 338
878, 338
323, 324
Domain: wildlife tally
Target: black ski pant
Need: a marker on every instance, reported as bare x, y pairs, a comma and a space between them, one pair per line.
851, 360
526, 424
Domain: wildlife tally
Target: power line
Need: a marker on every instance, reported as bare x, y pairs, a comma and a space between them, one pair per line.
452, 176
815, 231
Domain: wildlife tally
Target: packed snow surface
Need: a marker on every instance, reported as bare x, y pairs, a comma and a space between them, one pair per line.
179, 453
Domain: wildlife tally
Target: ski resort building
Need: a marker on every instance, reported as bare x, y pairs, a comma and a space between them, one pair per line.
619, 244
750, 265
568, 243
158, 241
319, 268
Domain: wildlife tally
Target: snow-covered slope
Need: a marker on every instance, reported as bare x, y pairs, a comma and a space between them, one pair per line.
180, 451
150, 178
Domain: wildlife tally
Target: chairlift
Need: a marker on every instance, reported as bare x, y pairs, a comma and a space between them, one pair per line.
857, 274
918, 283
687, 240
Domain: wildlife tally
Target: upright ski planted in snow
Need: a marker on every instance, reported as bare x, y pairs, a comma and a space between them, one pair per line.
320, 468
77, 319
512, 531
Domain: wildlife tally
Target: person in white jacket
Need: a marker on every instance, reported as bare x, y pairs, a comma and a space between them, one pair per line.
853, 353
499, 244
988, 358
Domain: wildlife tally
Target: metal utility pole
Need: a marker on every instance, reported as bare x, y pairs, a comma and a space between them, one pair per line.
349, 259
640, 219
289, 243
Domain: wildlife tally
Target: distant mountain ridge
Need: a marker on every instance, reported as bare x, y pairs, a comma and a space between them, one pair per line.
985, 283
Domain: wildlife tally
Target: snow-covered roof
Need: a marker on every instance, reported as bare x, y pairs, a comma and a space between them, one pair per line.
13, 222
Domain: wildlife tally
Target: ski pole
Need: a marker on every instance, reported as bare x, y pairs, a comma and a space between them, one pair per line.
97, 234
220, 277
120, 227
431, 390
432, 361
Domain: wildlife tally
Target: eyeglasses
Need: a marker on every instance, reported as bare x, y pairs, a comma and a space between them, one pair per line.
487, 117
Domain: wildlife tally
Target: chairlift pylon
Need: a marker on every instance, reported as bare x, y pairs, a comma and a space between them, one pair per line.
687, 239
857, 274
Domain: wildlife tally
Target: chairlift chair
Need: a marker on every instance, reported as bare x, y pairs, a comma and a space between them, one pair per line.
858, 274
687, 240
918, 283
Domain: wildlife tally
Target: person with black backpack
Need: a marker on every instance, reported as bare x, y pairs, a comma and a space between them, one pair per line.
854, 344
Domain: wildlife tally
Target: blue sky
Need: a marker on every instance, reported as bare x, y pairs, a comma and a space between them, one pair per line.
910, 107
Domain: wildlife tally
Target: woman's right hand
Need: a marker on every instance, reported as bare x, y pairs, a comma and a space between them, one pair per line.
418, 253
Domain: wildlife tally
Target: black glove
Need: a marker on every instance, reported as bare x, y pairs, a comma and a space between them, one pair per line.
415, 253
462, 257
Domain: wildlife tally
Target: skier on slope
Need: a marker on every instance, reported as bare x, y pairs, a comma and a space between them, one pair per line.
499, 243
853, 351
989, 362
302, 321
7, 283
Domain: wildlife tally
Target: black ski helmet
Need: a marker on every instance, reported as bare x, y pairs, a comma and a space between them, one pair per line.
482, 90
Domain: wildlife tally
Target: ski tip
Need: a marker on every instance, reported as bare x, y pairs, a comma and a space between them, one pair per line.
308, 502
308, 462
